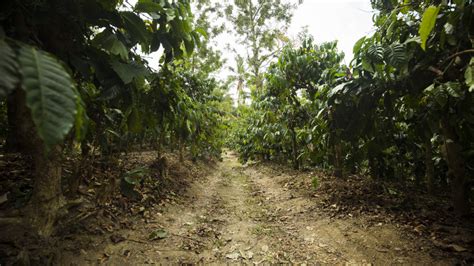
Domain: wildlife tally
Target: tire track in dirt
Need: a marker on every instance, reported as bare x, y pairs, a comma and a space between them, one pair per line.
305, 230
246, 215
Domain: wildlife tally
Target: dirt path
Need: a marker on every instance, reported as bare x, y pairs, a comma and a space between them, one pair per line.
242, 215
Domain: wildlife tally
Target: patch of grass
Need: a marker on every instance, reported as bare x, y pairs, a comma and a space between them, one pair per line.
261, 230
315, 182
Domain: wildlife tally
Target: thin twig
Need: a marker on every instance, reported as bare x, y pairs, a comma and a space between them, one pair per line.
458, 53
138, 241
435, 70
82, 217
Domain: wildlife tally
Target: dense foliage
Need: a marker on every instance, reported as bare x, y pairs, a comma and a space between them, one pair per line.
81, 65
402, 111
285, 122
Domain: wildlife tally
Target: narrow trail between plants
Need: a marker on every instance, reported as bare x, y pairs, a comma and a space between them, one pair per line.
241, 214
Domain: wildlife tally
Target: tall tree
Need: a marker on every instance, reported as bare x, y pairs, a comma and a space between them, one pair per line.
238, 78
259, 26
207, 59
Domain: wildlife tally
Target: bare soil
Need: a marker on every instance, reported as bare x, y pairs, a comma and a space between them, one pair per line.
252, 215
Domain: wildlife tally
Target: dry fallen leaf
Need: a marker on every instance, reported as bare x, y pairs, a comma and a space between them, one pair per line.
117, 238
4, 198
233, 256
457, 248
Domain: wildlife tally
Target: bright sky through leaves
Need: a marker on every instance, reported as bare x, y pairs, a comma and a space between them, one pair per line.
328, 20
344, 20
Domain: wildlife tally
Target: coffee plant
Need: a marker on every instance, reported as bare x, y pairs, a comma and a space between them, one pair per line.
402, 110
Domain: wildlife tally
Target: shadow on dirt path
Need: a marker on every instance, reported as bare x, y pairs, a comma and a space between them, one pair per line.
239, 214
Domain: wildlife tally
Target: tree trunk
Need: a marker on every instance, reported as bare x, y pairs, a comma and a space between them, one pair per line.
429, 166
338, 159
160, 143
456, 166
47, 198
294, 145
74, 180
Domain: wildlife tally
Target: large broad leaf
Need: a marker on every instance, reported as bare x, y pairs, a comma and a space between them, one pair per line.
189, 46
109, 41
170, 14
130, 180
136, 27
49, 94
427, 24
337, 89
134, 122
375, 53
8, 69
155, 42
358, 45
396, 54
127, 72
150, 7
196, 38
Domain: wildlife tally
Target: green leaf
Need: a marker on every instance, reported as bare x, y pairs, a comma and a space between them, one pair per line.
416, 39
196, 38
396, 54
148, 6
130, 71
81, 121
136, 27
170, 14
130, 180
366, 65
108, 41
158, 234
469, 75
128, 183
49, 94
134, 122
358, 45
155, 42
405, 8
428, 22
337, 89
138, 172
459, 3
453, 89
202, 32
375, 53
8, 69
189, 45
